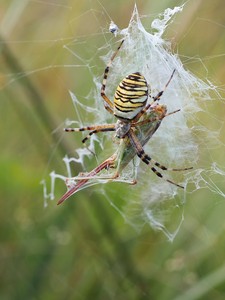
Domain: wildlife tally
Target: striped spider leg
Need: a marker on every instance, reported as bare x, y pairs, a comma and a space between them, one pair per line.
151, 162
107, 103
93, 129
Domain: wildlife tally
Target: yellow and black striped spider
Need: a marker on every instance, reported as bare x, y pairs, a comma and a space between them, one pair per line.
129, 105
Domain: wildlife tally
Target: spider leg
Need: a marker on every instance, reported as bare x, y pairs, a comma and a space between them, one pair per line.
157, 97
96, 131
108, 104
92, 129
148, 160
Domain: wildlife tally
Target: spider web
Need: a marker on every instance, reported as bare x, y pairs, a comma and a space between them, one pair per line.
184, 139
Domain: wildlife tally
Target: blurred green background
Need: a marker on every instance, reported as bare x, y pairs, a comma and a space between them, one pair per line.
83, 249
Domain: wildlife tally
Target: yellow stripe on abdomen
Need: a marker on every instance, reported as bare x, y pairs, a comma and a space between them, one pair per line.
131, 96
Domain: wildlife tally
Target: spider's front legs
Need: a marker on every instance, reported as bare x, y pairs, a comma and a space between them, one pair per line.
158, 96
108, 104
148, 160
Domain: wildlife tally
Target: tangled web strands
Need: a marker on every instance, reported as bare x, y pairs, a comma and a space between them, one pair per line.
180, 140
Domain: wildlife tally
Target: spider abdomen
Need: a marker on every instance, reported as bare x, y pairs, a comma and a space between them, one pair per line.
131, 96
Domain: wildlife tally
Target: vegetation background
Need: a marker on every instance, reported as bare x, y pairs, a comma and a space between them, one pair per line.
83, 249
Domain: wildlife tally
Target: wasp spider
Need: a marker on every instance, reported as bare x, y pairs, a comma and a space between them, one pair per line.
130, 103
